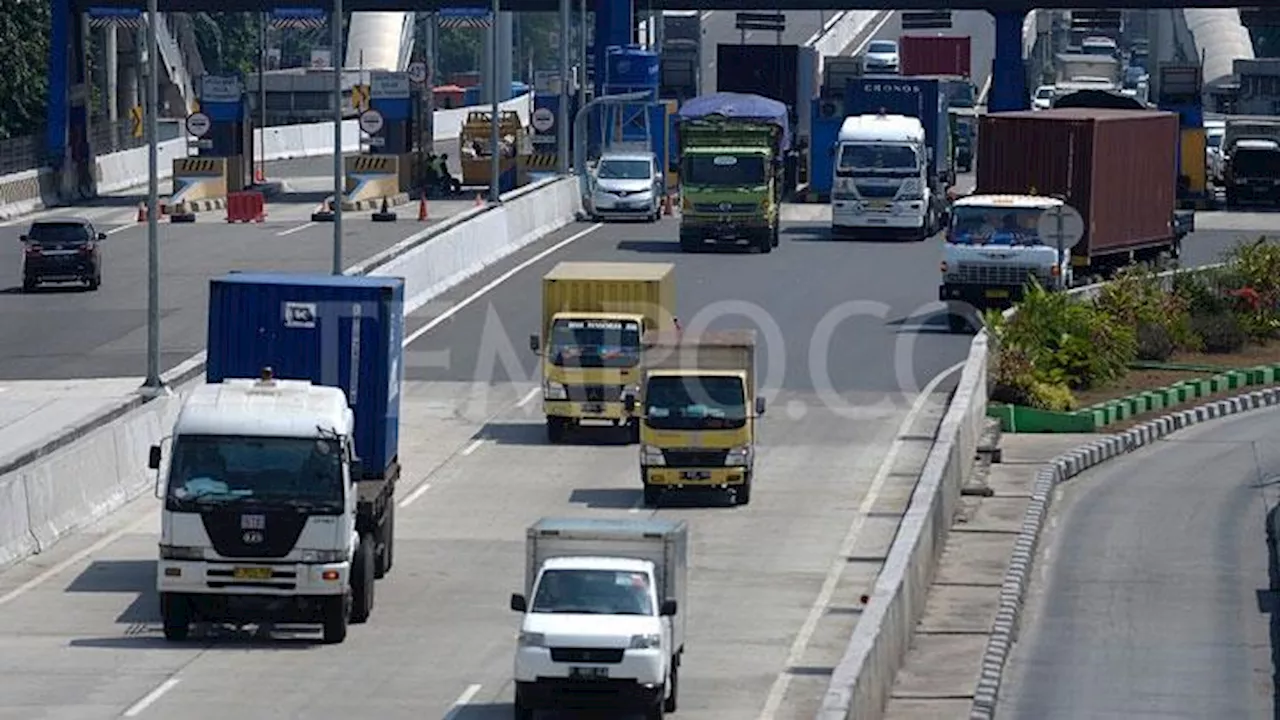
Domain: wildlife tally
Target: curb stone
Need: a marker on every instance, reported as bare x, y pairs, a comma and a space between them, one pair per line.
1004, 630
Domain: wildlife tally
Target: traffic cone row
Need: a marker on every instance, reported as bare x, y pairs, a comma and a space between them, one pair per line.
142, 212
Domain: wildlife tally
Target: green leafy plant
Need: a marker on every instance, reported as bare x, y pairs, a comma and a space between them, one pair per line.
1070, 343
1221, 332
1154, 343
1138, 297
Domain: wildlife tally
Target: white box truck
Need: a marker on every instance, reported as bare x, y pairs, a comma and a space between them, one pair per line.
604, 616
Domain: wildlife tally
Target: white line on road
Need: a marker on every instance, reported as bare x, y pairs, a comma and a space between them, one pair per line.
528, 397
436, 321
474, 446
115, 230
417, 493
146, 702
467, 696
779, 689
43, 577
293, 230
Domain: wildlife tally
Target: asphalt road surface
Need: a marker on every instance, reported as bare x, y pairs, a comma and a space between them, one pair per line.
1155, 595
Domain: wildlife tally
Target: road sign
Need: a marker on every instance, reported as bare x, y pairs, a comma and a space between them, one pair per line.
198, 124
769, 22
1096, 19
1061, 225
360, 97
455, 18
389, 85
418, 72
927, 20
543, 119
371, 122
135, 118
298, 18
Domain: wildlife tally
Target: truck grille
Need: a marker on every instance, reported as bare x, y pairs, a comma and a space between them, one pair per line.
981, 274
878, 192
594, 393
725, 207
266, 534
587, 655
694, 458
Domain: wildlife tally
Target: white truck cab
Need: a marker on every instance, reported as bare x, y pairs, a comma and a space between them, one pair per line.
881, 183
259, 517
603, 622
992, 250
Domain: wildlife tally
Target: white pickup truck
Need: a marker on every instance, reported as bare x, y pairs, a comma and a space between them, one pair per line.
604, 616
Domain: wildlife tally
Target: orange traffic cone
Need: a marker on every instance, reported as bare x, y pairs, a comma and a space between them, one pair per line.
259, 175
666, 205
422, 208
142, 212
479, 201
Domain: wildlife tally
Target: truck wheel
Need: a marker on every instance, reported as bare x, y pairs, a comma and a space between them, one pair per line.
652, 494
335, 619
742, 493
765, 243
519, 711
672, 701
633, 431
655, 712
387, 542
175, 616
556, 428
690, 243
362, 580
777, 233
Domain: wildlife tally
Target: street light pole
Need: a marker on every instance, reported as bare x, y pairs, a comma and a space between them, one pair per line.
153, 383
562, 119
336, 22
495, 139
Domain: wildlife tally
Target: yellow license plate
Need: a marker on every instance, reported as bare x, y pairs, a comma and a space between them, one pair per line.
997, 293
878, 205
252, 573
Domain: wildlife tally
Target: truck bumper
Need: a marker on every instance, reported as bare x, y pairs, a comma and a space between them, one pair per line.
609, 411
724, 229
673, 477
291, 593
894, 219
992, 297
564, 694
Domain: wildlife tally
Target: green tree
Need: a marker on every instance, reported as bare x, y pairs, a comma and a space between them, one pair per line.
24, 35
228, 42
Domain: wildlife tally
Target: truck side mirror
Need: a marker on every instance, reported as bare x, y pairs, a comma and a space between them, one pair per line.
22, 238
668, 608
518, 602
629, 402
153, 458
759, 406
534, 343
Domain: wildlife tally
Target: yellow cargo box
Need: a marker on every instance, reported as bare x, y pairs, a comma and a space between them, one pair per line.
645, 289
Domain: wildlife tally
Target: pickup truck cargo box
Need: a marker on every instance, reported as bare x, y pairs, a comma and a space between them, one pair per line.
647, 289
723, 350
934, 55
333, 330
1117, 167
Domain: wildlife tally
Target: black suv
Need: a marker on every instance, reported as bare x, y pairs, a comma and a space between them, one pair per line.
62, 250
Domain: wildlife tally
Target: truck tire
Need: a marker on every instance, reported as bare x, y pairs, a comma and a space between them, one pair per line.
363, 572
556, 428
519, 711
175, 616
336, 615
777, 233
633, 431
742, 493
765, 243
652, 494
656, 712
672, 702
386, 542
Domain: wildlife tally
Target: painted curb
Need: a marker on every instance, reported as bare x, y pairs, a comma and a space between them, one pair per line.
1062, 468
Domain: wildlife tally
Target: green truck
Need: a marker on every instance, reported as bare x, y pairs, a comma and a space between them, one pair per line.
731, 170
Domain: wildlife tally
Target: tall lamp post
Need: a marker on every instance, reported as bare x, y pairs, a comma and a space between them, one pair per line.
336, 22
495, 139
153, 384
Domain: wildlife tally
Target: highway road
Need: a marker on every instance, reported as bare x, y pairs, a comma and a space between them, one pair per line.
1155, 595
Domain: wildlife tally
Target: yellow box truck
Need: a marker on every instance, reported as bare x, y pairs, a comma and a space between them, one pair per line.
698, 410
594, 316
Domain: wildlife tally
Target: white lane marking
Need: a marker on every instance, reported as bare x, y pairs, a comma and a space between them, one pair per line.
417, 493
466, 697
706, 15
146, 702
823, 30
122, 228
796, 654
293, 230
435, 322
874, 33
102, 544
528, 397
474, 446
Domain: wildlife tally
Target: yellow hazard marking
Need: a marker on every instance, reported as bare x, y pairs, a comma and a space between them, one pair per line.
542, 161
198, 166
372, 164
135, 116
360, 97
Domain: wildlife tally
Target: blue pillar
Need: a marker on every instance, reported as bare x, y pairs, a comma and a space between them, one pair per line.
1008, 71
615, 25
55, 131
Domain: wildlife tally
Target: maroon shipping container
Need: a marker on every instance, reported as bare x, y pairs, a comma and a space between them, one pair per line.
1117, 167
934, 55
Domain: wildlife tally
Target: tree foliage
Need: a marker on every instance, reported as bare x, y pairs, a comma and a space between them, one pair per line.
24, 84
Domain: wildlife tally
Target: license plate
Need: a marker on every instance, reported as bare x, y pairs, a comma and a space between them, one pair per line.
251, 573
589, 673
592, 407
695, 474
878, 205
997, 293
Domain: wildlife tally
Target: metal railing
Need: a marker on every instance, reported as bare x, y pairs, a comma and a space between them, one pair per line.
20, 153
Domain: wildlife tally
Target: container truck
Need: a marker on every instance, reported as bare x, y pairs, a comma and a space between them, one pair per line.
935, 55
604, 614
881, 179
1252, 173
1117, 168
681, 55
731, 170
786, 73
594, 315
279, 491
1075, 68
698, 409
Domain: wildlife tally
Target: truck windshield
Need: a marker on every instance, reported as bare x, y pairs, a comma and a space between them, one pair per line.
724, 170
974, 225
1250, 162
961, 95
695, 403
593, 592
595, 343
878, 157
624, 170
216, 469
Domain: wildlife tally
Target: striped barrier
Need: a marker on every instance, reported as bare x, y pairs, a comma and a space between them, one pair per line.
370, 178
542, 162
197, 180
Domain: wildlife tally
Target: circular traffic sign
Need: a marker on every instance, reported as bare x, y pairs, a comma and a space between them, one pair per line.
198, 124
1061, 225
371, 122
418, 72
543, 119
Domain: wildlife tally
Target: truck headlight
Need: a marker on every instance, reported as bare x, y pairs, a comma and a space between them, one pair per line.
531, 639
645, 642
554, 391
650, 455
738, 456
910, 190
324, 556
177, 552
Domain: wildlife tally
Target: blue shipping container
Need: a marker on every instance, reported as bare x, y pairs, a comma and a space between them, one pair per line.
333, 330
631, 66
914, 97
824, 131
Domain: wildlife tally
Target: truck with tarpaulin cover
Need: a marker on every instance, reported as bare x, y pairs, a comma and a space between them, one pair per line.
731, 170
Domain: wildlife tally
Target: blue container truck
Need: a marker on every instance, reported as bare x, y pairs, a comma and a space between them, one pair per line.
923, 98
333, 330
